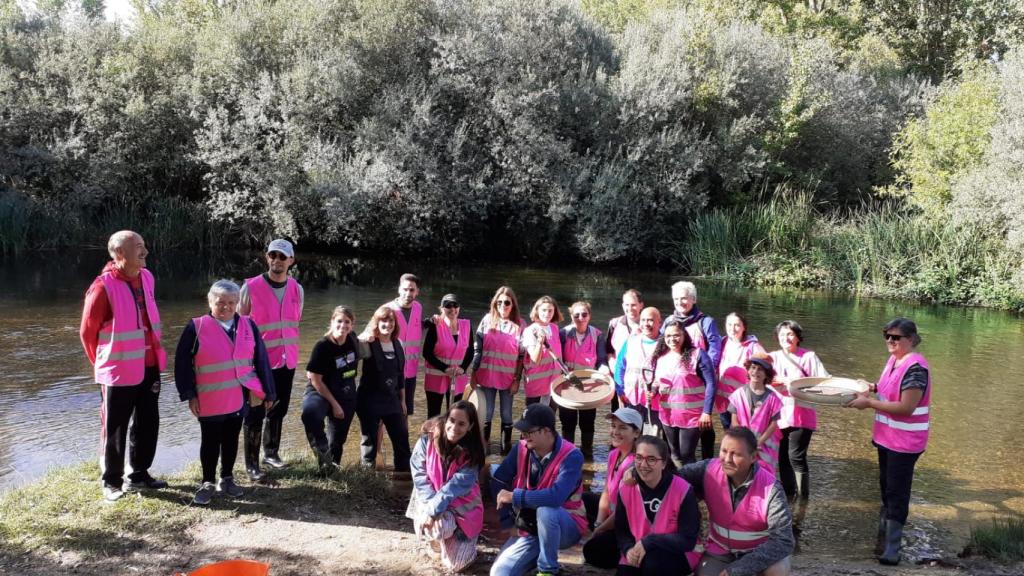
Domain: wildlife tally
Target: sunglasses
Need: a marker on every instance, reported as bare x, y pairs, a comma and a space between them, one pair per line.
648, 460
581, 315
449, 305
503, 302
893, 337
276, 256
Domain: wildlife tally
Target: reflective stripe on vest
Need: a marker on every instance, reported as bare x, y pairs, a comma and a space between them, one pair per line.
615, 475
222, 367
907, 434
278, 321
666, 518
410, 334
731, 373
581, 355
683, 405
767, 453
539, 375
451, 353
122, 342
574, 504
795, 413
468, 508
638, 354
499, 354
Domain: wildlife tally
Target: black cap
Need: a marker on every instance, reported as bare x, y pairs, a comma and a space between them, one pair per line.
536, 416
449, 298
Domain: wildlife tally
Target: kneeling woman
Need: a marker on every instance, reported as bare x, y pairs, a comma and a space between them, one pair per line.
446, 508
601, 549
380, 397
221, 368
656, 520
331, 392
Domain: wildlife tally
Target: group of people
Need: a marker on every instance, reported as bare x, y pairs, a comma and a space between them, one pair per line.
235, 367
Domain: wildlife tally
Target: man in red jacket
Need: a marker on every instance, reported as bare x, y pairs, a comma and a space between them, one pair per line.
120, 332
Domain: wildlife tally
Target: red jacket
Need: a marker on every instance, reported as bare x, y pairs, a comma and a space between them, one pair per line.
97, 311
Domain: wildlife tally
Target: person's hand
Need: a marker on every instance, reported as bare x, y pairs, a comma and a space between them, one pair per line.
428, 524
193, 406
635, 555
367, 336
436, 319
452, 371
268, 404
514, 388
504, 498
723, 573
604, 369
861, 402
705, 421
405, 411
338, 411
872, 388
629, 478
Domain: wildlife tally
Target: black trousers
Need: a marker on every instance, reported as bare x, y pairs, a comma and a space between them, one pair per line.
435, 400
129, 415
793, 459
585, 419
315, 408
682, 442
895, 475
658, 562
410, 394
602, 550
283, 378
707, 443
219, 438
398, 432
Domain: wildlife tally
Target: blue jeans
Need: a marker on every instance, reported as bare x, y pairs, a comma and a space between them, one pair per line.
556, 530
506, 405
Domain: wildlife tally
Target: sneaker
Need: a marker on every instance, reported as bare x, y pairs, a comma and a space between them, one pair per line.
274, 462
228, 487
205, 494
147, 482
112, 493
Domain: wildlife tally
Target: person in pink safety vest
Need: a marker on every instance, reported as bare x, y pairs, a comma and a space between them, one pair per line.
799, 419
498, 361
120, 332
684, 384
634, 367
409, 313
445, 507
750, 529
758, 407
447, 352
541, 346
739, 346
621, 328
221, 369
657, 521
582, 348
274, 300
900, 434
601, 550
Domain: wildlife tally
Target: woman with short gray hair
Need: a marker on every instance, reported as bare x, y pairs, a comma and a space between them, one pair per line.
900, 432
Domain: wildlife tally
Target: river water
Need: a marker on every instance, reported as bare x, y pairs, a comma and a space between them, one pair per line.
970, 473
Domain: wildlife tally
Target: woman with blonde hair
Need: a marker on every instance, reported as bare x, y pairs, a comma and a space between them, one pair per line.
542, 350
497, 363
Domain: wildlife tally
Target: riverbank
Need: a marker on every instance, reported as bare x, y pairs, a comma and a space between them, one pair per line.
351, 523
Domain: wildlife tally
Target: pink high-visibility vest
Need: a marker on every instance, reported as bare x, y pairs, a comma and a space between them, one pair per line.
768, 453
745, 528
907, 434
224, 367
666, 519
731, 373
638, 357
615, 475
539, 375
499, 354
620, 333
684, 403
278, 322
451, 353
410, 334
121, 349
577, 355
574, 504
795, 413
467, 508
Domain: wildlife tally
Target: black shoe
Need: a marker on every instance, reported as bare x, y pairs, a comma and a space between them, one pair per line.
275, 462
255, 475
893, 543
147, 482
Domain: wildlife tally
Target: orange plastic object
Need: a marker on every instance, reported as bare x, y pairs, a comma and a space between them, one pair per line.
232, 568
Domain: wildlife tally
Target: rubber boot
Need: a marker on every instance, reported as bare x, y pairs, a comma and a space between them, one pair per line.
487, 438
880, 537
893, 542
803, 484
506, 438
271, 442
251, 436
587, 440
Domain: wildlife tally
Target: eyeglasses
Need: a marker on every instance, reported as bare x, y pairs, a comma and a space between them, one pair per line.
581, 315
893, 337
450, 305
532, 431
648, 460
276, 256
503, 302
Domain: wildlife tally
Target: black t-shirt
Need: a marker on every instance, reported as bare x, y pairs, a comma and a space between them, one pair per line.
337, 365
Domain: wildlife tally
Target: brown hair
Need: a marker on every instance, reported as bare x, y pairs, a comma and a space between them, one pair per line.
494, 317
379, 314
340, 311
546, 300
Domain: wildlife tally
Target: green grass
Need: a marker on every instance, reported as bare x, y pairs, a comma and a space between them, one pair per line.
64, 510
1003, 540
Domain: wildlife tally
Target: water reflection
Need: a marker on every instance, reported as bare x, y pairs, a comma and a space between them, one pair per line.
49, 403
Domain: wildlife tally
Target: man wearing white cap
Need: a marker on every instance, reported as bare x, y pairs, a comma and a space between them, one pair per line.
274, 301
